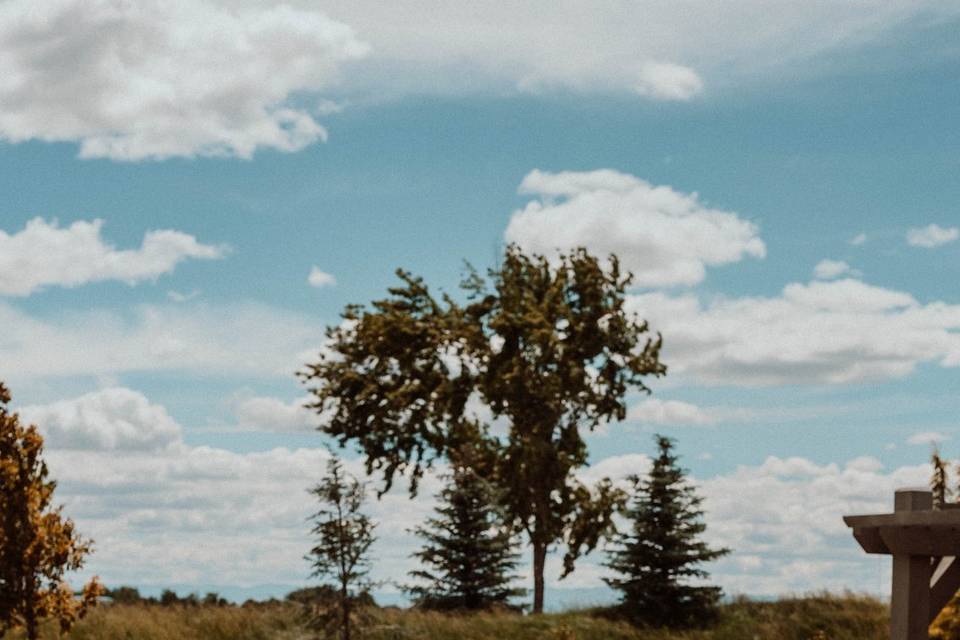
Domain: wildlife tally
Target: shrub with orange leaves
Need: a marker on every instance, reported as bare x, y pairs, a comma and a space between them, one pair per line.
947, 625
37, 543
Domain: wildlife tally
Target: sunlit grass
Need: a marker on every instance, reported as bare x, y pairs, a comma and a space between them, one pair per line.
818, 617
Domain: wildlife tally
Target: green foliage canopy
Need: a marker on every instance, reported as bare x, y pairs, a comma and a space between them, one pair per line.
546, 345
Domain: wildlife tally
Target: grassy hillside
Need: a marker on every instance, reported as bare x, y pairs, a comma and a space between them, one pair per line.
809, 618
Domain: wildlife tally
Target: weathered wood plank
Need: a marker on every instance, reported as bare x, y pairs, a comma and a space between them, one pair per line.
870, 540
950, 517
910, 598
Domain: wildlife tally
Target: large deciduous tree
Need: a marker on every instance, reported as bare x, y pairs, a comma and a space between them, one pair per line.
544, 344
659, 560
37, 544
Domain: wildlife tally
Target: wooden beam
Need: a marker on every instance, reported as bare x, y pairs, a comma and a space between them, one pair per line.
870, 539
921, 540
950, 517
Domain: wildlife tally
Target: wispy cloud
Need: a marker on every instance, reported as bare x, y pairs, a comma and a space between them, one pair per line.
932, 236
927, 437
320, 279
655, 50
829, 269
666, 81
241, 339
177, 296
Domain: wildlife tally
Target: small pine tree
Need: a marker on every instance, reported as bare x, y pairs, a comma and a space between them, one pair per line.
662, 552
939, 479
344, 535
37, 544
470, 553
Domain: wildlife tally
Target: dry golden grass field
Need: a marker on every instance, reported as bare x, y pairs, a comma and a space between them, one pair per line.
817, 617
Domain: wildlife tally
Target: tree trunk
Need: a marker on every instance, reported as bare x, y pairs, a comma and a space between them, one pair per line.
345, 612
539, 559
31, 628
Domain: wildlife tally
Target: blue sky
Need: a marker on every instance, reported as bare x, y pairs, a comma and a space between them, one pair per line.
723, 153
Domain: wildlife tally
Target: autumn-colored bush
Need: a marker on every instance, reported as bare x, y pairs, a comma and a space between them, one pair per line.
947, 624
38, 544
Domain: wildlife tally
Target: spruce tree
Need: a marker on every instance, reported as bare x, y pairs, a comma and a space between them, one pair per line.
470, 554
662, 553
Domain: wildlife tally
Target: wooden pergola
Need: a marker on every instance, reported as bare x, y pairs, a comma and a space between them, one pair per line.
925, 545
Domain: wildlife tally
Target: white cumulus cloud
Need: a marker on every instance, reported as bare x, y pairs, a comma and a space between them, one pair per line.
788, 512
931, 236
106, 420
663, 236
783, 517
320, 279
833, 332
155, 79
45, 254
210, 509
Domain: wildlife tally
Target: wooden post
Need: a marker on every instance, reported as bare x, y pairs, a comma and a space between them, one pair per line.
925, 545
910, 597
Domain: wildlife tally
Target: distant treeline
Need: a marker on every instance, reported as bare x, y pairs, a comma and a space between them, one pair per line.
320, 595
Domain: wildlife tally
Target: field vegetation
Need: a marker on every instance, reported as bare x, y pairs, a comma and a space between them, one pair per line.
817, 617
553, 350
